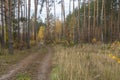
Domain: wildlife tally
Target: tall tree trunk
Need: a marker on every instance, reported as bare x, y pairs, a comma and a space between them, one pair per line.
64, 25
63, 16
13, 17
69, 6
89, 20
54, 20
62, 19
79, 3
6, 28
105, 28
24, 22
119, 22
73, 17
8, 5
97, 18
94, 19
84, 23
18, 34
26, 28
47, 10
102, 9
2, 19
35, 26
111, 25
28, 35
69, 31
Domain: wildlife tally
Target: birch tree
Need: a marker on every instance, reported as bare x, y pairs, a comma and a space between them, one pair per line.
102, 36
2, 19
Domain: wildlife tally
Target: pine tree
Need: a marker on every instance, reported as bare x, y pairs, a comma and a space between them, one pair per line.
28, 34
35, 26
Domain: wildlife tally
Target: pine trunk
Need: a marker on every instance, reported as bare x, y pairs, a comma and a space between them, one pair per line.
8, 15
35, 26
28, 35
18, 34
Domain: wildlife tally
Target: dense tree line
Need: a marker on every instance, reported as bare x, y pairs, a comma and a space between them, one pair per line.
90, 20
97, 19
16, 23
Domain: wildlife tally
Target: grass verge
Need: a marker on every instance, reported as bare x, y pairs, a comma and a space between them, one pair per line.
86, 62
22, 76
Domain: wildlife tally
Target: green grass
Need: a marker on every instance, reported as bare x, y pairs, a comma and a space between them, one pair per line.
54, 73
23, 76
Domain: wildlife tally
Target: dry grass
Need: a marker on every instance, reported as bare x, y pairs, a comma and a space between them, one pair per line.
86, 62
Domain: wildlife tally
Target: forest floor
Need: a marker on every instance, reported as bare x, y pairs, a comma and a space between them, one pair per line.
60, 62
33, 65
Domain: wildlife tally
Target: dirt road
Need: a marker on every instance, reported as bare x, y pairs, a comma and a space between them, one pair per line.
38, 65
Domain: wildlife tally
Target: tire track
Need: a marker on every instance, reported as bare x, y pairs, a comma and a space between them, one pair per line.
45, 66
39, 63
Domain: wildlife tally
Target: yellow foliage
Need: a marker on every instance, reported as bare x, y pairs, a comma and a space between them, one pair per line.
119, 61
110, 55
94, 40
115, 45
58, 27
114, 57
40, 36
